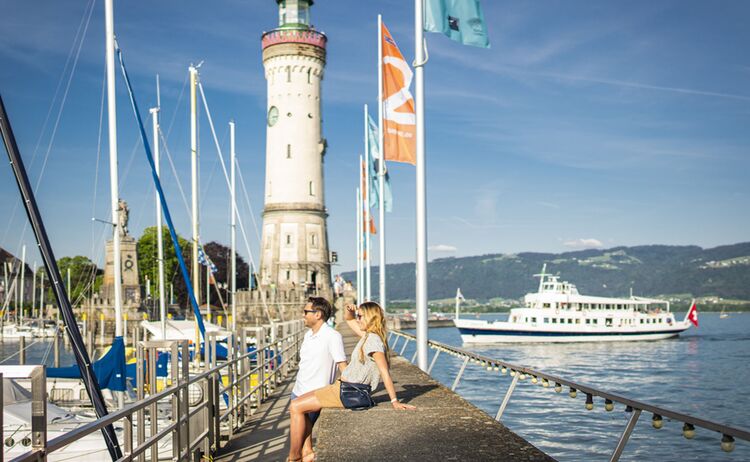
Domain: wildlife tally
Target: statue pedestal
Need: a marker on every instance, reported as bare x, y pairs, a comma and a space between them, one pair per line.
131, 289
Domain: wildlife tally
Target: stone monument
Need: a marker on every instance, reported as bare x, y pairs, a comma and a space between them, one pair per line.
131, 288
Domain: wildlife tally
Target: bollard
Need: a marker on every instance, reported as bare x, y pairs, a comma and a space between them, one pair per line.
56, 348
101, 330
22, 350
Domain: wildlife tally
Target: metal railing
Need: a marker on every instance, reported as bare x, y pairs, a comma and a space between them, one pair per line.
518, 373
221, 408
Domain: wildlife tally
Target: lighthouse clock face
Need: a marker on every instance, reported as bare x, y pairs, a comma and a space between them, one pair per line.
273, 116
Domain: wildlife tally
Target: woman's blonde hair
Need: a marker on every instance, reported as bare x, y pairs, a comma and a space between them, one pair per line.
374, 319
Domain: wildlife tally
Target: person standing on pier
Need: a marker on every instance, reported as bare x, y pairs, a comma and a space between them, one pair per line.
321, 352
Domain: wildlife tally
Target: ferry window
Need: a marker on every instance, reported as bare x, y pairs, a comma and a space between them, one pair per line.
288, 151
554, 320
526, 320
533, 319
546, 305
546, 320
596, 321
588, 321
570, 321
288, 275
578, 321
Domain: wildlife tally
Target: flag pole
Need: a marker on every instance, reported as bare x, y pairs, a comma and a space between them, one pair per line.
381, 167
366, 203
421, 266
359, 248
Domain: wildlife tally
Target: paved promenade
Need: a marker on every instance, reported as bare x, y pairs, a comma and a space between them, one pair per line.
444, 427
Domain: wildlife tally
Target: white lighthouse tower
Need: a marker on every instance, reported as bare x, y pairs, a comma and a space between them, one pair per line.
294, 254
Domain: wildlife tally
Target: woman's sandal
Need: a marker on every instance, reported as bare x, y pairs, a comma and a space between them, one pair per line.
309, 457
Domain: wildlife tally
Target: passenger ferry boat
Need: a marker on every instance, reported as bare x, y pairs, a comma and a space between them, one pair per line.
558, 313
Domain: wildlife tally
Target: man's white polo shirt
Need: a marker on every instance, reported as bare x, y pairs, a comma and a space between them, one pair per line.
318, 357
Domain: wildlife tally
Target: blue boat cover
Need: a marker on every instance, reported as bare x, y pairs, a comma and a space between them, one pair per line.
109, 370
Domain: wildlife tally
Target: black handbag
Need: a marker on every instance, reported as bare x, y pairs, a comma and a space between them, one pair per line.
356, 396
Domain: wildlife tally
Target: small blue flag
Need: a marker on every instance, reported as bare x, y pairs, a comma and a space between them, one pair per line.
460, 20
372, 140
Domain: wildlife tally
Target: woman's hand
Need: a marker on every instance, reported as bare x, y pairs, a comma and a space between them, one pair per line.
349, 312
403, 406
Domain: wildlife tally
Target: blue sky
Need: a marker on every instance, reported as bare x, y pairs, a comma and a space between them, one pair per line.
586, 123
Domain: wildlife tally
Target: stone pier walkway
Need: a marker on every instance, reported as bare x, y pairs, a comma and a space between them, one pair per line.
444, 427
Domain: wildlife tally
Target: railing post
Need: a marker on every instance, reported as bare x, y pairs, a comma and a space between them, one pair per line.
176, 405
460, 373
184, 378
231, 376
393, 348
404, 348
128, 437
625, 435
434, 359
506, 399
140, 393
153, 388
39, 411
260, 357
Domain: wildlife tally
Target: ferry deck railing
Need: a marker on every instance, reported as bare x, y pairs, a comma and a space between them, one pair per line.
223, 407
518, 373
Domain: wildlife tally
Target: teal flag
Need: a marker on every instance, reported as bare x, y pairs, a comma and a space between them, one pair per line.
461, 20
372, 142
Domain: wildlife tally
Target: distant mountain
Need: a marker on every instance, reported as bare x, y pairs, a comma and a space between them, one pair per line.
650, 270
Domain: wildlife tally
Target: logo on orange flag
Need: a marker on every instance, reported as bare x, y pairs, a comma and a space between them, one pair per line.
399, 119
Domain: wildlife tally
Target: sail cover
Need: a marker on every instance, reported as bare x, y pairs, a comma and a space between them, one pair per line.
109, 370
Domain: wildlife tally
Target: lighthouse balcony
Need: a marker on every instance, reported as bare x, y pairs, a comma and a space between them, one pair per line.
309, 37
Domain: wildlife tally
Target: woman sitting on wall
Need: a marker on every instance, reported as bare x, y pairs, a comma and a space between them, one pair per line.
369, 364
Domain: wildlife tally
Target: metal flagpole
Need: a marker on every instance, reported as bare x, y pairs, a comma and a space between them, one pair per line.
381, 167
159, 236
366, 191
359, 249
196, 272
233, 228
421, 289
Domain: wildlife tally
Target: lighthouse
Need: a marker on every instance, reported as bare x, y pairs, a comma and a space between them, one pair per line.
294, 255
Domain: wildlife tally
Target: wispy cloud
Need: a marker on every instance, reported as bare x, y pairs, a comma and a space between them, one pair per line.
584, 243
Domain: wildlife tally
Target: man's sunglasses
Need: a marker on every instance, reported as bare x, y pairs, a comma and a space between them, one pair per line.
309, 311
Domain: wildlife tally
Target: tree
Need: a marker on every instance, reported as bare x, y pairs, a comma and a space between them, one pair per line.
220, 255
84, 278
148, 264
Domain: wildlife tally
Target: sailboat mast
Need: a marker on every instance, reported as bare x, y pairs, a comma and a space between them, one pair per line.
159, 236
23, 282
196, 273
233, 228
113, 180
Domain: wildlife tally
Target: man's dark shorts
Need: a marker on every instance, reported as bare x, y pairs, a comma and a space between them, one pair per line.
312, 415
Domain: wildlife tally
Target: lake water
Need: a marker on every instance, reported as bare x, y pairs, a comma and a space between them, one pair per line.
703, 373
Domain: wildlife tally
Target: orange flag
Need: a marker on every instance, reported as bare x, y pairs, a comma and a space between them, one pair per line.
399, 119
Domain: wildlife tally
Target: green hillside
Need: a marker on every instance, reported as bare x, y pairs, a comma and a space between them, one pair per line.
649, 270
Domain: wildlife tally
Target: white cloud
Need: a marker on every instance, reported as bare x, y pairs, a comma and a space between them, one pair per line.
582, 243
442, 248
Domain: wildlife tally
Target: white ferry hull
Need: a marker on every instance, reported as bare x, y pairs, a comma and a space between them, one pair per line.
471, 333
